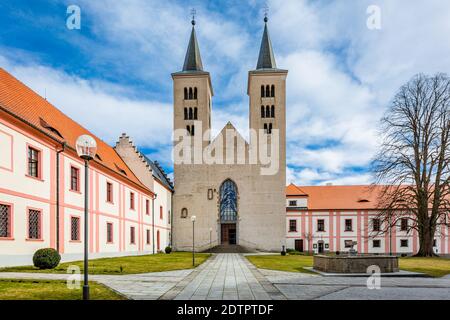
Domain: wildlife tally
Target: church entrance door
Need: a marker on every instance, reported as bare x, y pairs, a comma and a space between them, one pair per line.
228, 233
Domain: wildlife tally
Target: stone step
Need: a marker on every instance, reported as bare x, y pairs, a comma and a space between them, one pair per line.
229, 248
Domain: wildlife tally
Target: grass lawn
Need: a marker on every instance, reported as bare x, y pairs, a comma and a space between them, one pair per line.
126, 265
14, 289
292, 263
435, 267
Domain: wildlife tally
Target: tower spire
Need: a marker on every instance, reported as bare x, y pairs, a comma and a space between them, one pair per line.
193, 60
266, 59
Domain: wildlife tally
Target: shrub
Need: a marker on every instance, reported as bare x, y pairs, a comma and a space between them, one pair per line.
47, 258
168, 249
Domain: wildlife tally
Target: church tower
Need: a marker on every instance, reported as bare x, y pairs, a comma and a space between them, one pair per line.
267, 99
192, 93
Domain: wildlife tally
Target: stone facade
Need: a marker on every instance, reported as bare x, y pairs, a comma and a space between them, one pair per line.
259, 220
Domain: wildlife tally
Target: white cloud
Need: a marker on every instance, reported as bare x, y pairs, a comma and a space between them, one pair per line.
101, 107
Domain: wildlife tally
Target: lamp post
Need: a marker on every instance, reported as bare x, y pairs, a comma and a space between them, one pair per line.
193, 240
210, 239
86, 149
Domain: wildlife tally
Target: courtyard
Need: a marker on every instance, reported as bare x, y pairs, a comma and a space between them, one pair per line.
234, 277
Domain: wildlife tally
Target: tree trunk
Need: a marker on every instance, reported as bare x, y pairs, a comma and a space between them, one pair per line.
426, 239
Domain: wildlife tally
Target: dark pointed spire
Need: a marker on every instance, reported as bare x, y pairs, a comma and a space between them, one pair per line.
193, 60
266, 59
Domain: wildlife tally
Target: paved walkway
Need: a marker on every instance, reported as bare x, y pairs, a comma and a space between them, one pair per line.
232, 277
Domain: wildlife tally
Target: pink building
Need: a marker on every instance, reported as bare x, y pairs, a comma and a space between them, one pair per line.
329, 218
42, 188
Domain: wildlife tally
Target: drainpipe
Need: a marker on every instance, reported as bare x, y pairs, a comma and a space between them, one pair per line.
153, 222
171, 219
57, 194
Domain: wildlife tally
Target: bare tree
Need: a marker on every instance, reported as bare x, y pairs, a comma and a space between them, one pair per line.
412, 164
309, 237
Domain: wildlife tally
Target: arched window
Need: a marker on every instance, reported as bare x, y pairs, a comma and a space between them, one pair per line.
272, 111
188, 129
272, 93
270, 129
184, 213
195, 113
190, 93
185, 93
185, 113
265, 128
262, 112
262, 91
190, 114
267, 112
192, 130
195, 93
228, 201
267, 91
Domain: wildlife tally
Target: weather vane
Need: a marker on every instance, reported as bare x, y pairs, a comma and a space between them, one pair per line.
193, 13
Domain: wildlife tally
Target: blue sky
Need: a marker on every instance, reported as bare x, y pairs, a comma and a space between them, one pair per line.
113, 75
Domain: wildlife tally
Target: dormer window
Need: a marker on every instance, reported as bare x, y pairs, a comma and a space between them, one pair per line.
120, 169
50, 128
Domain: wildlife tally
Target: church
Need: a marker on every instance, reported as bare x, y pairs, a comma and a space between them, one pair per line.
234, 189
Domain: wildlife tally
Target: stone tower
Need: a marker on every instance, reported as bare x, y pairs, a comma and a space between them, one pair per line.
240, 203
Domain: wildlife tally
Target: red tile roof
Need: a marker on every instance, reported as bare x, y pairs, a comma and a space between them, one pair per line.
337, 197
31, 108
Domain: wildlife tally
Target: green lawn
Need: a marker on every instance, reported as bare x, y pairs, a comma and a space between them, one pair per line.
292, 263
435, 267
14, 289
126, 265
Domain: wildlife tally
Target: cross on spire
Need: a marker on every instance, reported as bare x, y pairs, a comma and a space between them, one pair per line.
193, 13
266, 12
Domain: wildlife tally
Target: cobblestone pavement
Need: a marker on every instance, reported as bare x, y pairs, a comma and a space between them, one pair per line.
233, 277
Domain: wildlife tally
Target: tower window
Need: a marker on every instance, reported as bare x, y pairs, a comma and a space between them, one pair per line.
190, 114
195, 110
188, 129
262, 92
192, 130
272, 91
262, 112
265, 128
195, 93
185, 113
190, 93
267, 91
270, 128
272, 111
185, 93
267, 112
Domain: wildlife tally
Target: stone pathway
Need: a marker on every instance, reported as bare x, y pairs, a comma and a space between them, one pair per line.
233, 277
229, 277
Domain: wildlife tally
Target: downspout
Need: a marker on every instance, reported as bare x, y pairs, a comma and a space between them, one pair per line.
57, 194
153, 222
171, 219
